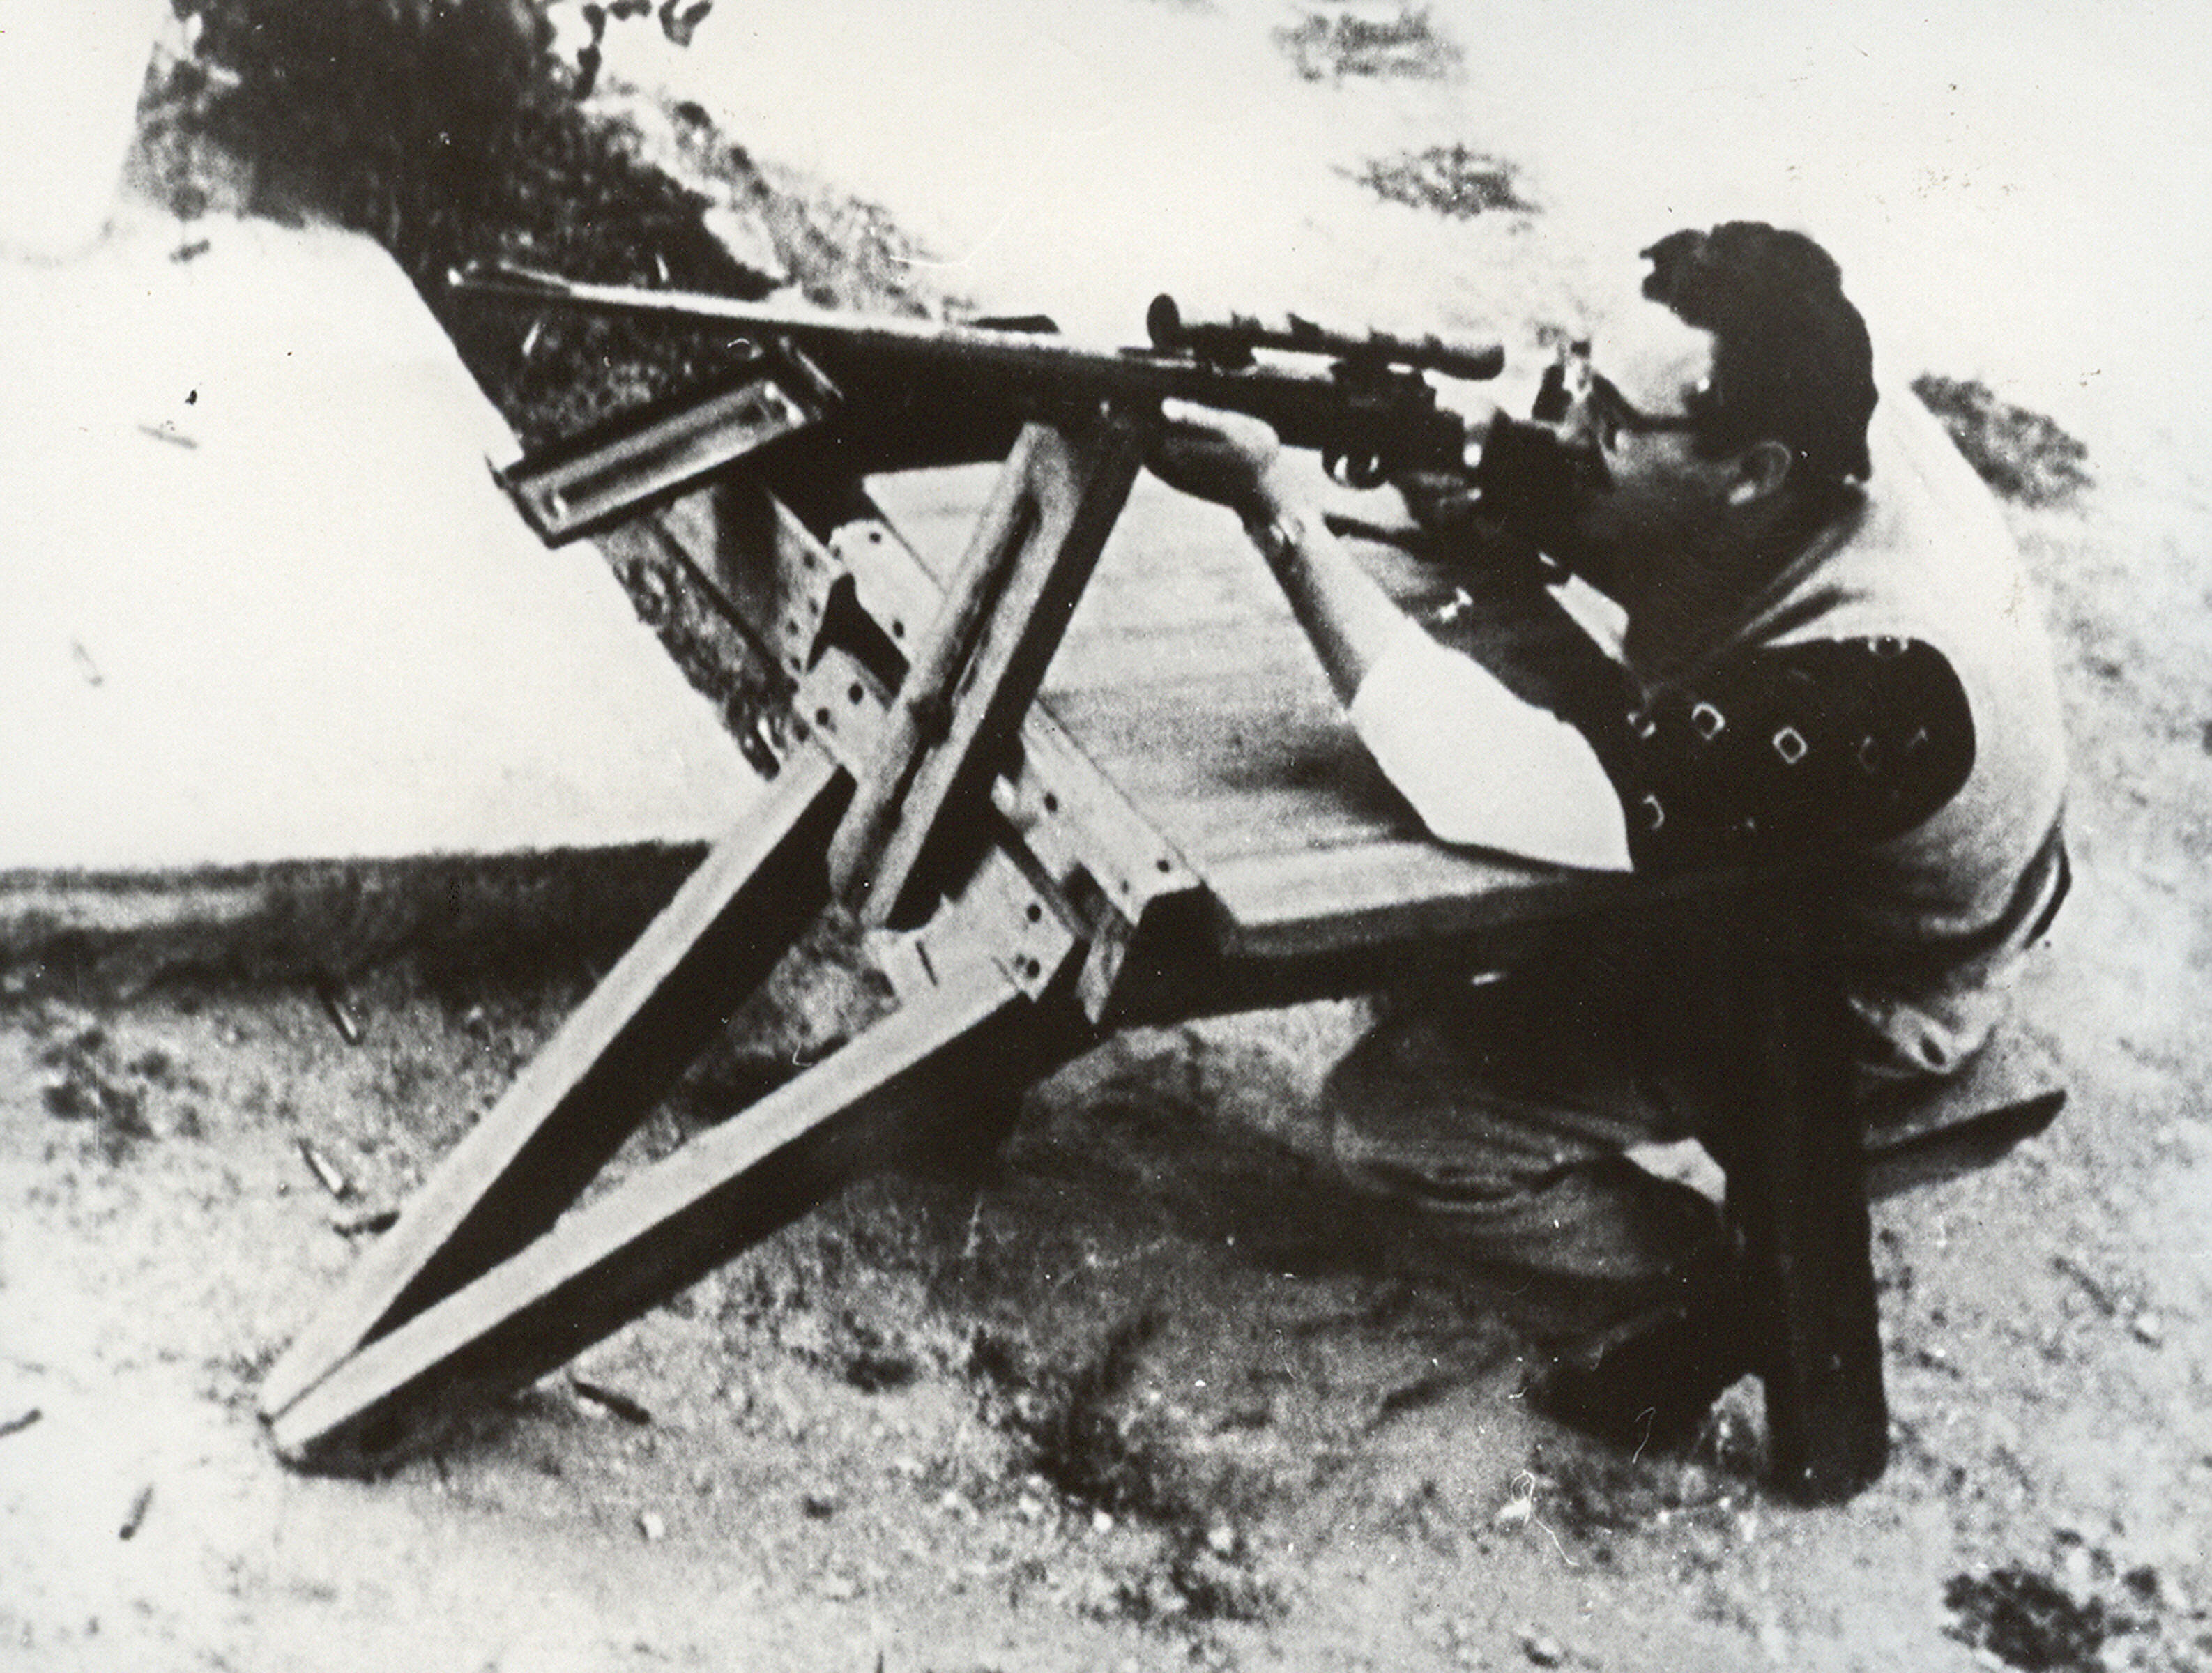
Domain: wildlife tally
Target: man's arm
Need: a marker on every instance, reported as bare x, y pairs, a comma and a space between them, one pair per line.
1425, 713
1236, 462
1769, 753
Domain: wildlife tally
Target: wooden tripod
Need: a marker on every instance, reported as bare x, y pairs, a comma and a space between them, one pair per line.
476, 1289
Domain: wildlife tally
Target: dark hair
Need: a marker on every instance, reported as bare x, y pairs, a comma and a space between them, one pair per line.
1791, 359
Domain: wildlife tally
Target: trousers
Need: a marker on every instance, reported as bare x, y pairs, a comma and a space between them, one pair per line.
1500, 1110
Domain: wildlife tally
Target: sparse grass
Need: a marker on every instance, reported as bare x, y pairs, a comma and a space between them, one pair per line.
125, 1096
1337, 42
2022, 455
1451, 180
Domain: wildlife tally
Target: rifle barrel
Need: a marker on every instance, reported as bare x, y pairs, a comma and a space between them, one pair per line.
1367, 409
522, 283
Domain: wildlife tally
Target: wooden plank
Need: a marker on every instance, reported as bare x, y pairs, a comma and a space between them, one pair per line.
1280, 929
514, 1173
1189, 736
1276, 740
1270, 655
1250, 823
1222, 601
1181, 972
1170, 560
1077, 821
668, 1226
923, 716
1797, 1191
1065, 490
1226, 606
1292, 904
889, 583
763, 564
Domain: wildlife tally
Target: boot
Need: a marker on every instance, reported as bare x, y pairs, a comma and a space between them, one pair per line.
1650, 1379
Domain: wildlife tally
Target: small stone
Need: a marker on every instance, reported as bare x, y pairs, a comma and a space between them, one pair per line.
1221, 1540
789, 1412
650, 1524
1541, 1649
2149, 1328
1102, 1522
1029, 1508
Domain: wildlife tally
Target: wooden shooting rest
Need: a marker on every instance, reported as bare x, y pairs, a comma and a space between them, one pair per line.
1181, 826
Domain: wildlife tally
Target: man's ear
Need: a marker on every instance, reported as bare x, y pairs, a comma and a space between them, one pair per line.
1762, 471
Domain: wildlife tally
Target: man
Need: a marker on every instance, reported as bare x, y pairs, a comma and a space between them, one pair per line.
1828, 659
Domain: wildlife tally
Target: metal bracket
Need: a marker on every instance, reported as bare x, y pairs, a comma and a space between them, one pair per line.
616, 469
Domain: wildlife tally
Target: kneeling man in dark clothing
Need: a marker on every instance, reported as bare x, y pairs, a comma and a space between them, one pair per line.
1830, 662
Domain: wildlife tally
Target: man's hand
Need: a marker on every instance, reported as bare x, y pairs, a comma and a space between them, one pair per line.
1228, 458
1443, 501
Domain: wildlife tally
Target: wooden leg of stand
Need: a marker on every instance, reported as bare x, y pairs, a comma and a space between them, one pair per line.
1798, 1192
670, 1223
523, 1164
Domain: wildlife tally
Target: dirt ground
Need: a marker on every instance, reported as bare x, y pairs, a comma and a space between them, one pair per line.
1125, 1395
1130, 1393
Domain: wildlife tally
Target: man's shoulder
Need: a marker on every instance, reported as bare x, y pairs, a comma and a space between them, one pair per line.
1923, 495
1922, 551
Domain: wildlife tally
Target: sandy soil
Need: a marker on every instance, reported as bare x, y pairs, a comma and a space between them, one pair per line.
1117, 1402
1128, 1394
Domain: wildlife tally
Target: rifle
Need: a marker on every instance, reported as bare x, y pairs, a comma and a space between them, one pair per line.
887, 392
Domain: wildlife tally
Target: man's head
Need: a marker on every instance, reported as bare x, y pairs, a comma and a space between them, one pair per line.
1791, 361
1721, 408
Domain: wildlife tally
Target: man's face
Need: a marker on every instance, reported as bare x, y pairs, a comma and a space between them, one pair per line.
1648, 499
